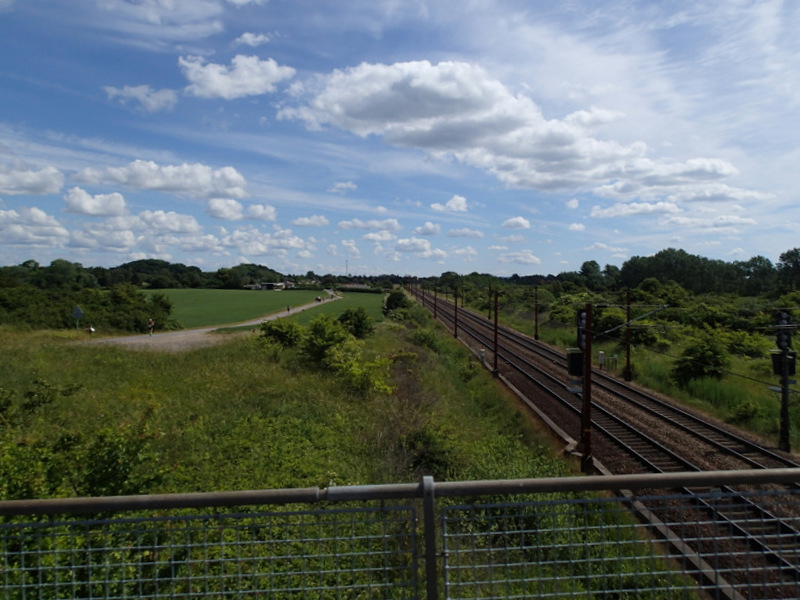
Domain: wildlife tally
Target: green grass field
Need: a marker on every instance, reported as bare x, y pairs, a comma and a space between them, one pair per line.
206, 308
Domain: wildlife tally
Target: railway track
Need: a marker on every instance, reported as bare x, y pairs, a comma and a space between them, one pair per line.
634, 431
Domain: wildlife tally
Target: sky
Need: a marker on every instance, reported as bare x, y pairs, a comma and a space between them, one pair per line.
411, 137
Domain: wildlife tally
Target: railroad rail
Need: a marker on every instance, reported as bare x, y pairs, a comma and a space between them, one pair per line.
642, 433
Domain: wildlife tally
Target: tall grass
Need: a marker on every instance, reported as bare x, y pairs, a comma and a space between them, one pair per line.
234, 416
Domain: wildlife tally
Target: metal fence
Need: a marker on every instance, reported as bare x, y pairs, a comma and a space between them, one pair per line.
576, 537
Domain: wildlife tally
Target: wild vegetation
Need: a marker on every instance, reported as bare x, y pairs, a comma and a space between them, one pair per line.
315, 407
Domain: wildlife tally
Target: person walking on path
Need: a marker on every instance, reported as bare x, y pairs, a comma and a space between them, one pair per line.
150, 326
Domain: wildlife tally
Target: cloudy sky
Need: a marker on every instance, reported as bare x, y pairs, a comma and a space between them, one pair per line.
398, 136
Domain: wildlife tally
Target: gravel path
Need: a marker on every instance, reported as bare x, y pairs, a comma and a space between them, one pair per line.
187, 339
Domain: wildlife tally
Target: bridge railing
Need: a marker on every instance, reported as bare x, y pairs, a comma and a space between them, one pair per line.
573, 537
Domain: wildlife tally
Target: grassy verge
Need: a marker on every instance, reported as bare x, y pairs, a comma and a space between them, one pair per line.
236, 417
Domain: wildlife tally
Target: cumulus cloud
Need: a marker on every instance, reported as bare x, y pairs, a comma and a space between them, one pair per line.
455, 204
225, 208
162, 222
516, 223
261, 212
577, 227
388, 224
421, 247
312, 221
467, 252
524, 257
380, 236
457, 109
427, 229
47, 180
195, 180
251, 241
31, 226
81, 202
149, 100
251, 39
233, 210
350, 248
247, 76
465, 232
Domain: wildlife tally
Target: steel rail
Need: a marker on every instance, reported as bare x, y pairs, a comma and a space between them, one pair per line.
678, 462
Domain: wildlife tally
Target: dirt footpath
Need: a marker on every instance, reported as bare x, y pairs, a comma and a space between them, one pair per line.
187, 339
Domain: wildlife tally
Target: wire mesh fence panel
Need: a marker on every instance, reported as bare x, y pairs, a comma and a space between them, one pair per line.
584, 547
332, 553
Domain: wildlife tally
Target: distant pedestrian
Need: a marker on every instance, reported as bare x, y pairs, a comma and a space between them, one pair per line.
288, 309
150, 326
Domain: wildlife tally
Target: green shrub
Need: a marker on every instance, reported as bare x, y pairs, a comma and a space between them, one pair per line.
323, 333
357, 322
704, 356
285, 332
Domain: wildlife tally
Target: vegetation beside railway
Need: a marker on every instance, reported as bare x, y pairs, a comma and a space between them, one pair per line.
80, 419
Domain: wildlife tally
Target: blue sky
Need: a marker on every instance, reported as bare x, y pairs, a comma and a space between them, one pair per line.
397, 136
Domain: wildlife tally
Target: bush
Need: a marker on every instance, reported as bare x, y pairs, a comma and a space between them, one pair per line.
285, 332
395, 300
323, 333
705, 356
357, 322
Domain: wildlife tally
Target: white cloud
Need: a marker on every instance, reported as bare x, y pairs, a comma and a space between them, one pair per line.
455, 204
149, 99
524, 257
572, 203
191, 179
261, 212
147, 23
31, 226
250, 241
420, 247
104, 205
467, 252
380, 236
162, 222
577, 227
350, 248
634, 209
251, 39
427, 229
388, 224
457, 109
312, 221
516, 223
47, 180
225, 208
342, 187
247, 76
240, 3
467, 233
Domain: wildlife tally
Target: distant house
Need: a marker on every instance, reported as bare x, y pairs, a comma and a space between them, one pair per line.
267, 286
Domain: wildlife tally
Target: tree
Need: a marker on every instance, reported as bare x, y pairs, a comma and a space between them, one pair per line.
396, 299
357, 322
705, 356
789, 269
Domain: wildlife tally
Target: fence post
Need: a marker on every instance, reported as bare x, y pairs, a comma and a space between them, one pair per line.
429, 517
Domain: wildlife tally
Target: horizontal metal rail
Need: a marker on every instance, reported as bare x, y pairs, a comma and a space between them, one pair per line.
585, 536
398, 491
